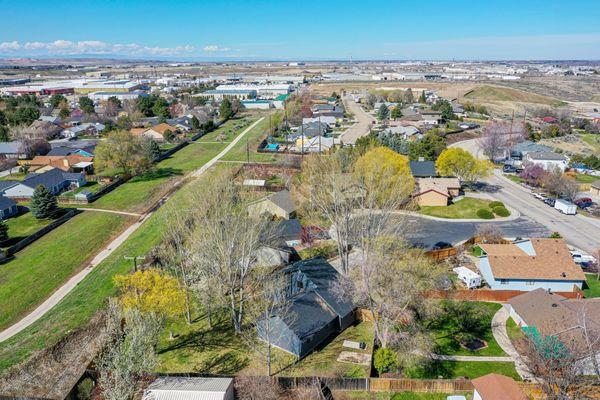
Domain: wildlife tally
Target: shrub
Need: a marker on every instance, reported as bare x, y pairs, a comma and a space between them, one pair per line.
324, 250
501, 211
495, 204
385, 360
485, 214
556, 235
354, 372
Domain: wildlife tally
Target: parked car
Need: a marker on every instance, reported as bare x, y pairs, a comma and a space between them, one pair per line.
584, 205
539, 196
550, 202
508, 169
565, 207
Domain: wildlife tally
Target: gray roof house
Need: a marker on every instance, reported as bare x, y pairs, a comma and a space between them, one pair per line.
422, 169
316, 313
55, 180
279, 204
12, 150
8, 207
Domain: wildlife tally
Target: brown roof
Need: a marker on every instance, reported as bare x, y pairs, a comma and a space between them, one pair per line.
552, 261
440, 185
138, 131
162, 128
62, 162
498, 387
553, 314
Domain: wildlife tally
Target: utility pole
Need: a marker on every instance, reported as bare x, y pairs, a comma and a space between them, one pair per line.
134, 258
247, 152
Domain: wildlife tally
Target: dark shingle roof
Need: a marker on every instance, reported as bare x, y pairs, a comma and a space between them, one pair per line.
49, 178
4, 185
422, 169
288, 229
5, 203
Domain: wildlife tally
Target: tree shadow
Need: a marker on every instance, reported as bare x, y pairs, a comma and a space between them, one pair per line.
485, 187
228, 363
158, 173
220, 336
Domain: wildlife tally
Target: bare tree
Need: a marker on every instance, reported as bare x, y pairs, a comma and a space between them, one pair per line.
270, 306
257, 388
495, 139
490, 233
129, 353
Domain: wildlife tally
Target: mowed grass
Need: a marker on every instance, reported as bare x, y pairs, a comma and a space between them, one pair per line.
141, 191
90, 295
24, 225
591, 139
245, 149
462, 369
462, 209
447, 344
592, 286
40, 268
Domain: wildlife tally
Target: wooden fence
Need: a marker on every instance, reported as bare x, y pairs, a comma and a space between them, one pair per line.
420, 385
491, 295
442, 254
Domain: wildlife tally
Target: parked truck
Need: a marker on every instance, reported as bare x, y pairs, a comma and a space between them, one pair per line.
565, 207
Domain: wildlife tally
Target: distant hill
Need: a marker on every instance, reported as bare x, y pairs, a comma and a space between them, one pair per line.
487, 93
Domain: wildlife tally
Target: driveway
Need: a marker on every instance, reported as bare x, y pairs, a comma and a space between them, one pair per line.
578, 230
363, 124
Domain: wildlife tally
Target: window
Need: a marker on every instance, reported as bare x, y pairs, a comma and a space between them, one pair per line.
299, 284
504, 281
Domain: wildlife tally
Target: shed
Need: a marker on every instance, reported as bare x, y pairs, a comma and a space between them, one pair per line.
469, 278
190, 388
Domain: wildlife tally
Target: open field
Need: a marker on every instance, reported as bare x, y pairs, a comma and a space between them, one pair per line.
43, 266
488, 93
246, 149
584, 144
458, 369
465, 208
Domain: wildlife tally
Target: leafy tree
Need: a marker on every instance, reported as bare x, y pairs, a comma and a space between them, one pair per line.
43, 203
4, 137
195, 123
123, 150
154, 150
22, 115
161, 109
64, 113
57, 99
445, 108
429, 147
3, 231
87, 105
169, 135
460, 163
396, 112
422, 98
383, 113
2, 118
385, 360
409, 98
225, 110
115, 101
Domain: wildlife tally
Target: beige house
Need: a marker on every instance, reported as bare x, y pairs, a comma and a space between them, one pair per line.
436, 191
595, 188
156, 133
278, 204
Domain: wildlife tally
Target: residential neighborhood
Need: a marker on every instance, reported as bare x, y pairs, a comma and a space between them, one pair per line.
228, 204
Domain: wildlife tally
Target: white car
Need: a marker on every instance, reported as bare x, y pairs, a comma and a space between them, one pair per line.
581, 258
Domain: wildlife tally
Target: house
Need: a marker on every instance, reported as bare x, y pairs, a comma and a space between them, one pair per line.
436, 191
182, 123
43, 129
328, 110
12, 150
54, 180
543, 313
315, 144
50, 118
595, 188
408, 132
8, 207
156, 132
530, 264
521, 149
548, 160
550, 120
422, 169
87, 129
189, 388
497, 387
316, 312
431, 117
279, 204
68, 163
87, 151
329, 121
289, 231
313, 129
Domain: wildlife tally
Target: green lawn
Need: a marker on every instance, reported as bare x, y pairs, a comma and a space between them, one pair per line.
323, 362
514, 331
593, 286
17, 176
24, 225
459, 369
90, 186
40, 268
514, 178
446, 344
583, 178
462, 209
141, 191
249, 144
591, 139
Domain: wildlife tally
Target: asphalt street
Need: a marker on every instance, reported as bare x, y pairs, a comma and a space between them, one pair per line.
363, 124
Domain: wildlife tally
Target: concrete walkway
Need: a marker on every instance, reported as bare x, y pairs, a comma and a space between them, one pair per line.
61, 292
501, 335
110, 211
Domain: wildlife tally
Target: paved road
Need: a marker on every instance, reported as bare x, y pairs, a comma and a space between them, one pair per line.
61, 292
363, 124
578, 230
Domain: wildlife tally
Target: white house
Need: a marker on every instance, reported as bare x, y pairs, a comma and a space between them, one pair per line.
55, 180
530, 264
548, 160
189, 388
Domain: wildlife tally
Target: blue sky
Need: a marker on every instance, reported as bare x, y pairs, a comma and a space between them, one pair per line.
282, 30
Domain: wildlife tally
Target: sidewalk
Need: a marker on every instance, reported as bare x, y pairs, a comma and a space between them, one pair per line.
501, 336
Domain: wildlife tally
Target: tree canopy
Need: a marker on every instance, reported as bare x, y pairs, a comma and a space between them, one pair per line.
460, 163
124, 151
43, 203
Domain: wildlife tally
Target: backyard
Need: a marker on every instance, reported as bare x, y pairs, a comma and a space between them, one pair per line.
394, 396
462, 369
463, 209
592, 286
22, 226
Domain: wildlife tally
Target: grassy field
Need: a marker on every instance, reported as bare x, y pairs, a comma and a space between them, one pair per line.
447, 344
465, 208
459, 369
593, 286
140, 191
591, 139
43, 266
514, 178
487, 93
246, 148
583, 178
513, 330
24, 225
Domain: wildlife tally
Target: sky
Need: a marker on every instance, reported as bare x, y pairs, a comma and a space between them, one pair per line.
303, 29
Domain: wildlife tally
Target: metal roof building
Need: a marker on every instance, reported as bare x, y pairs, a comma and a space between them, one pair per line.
189, 388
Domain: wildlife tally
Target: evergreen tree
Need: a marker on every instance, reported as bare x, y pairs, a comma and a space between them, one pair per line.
383, 113
408, 96
154, 151
3, 231
87, 105
396, 112
422, 98
43, 203
225, 110
195, 123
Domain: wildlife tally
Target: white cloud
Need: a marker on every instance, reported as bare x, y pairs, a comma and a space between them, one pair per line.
213, 48
66, 47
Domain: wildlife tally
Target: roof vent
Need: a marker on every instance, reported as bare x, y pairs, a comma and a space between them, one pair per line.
564, 274
554, 305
